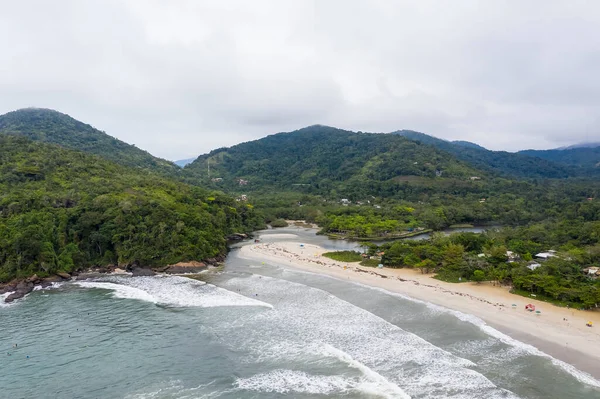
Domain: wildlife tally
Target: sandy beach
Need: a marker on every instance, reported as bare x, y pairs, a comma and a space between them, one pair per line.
559, 332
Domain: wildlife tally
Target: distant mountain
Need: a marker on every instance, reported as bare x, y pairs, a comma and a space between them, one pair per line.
580, 145
326, 160
585, 158
50, 126
182, 162
519, 165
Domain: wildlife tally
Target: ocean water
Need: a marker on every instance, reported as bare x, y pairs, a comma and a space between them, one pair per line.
254, 330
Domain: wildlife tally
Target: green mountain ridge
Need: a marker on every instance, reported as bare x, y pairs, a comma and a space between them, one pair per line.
322, 159
516, 165
63, 210
49, 126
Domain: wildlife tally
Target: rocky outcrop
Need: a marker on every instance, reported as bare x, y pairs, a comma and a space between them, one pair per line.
47, 282
64, 275
237, 237
22, 289
185, 267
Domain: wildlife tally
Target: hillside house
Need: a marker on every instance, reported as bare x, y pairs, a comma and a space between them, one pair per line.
216, 179
546, 255
242, 182
474, 178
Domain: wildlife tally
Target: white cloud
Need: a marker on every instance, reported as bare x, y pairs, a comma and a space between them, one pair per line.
182, 78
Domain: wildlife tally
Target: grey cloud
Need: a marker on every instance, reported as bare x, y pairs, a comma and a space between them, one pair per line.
182, 78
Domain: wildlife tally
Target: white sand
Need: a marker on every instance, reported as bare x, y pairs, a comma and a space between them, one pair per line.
569, 340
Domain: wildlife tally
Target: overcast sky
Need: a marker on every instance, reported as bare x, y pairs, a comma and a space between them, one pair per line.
180, 78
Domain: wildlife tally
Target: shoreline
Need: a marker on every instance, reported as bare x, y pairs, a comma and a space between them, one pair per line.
558, 332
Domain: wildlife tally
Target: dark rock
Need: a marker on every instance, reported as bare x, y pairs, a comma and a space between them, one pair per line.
47, 282
22, 289
65, 276
88, 275
186, 267
10, 287
237, 237
142, 271
34, 279
184, 270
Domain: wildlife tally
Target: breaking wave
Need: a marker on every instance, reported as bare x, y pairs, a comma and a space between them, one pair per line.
171, 291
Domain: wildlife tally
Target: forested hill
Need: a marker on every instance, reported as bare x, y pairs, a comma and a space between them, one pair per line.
519, 165
582, 157
323, 159
62, 209
50, 126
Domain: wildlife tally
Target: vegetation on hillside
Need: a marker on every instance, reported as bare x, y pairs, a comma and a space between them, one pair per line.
61, 210
50, 126
525, 164
584, 158
325, 160
477, 257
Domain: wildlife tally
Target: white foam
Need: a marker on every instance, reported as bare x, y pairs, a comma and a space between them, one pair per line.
376, 382
2, 298
289, 381
36, 288
120, 291
525, 348
311, 330
171, 291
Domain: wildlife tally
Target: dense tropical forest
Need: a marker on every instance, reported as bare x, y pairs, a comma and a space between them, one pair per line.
50, 126
62, 210
325, 160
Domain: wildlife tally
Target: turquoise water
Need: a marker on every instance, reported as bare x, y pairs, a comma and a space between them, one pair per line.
261, 331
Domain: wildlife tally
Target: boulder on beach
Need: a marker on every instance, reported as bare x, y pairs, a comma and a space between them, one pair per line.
237, 237
64, 275
186, 267
10, 287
